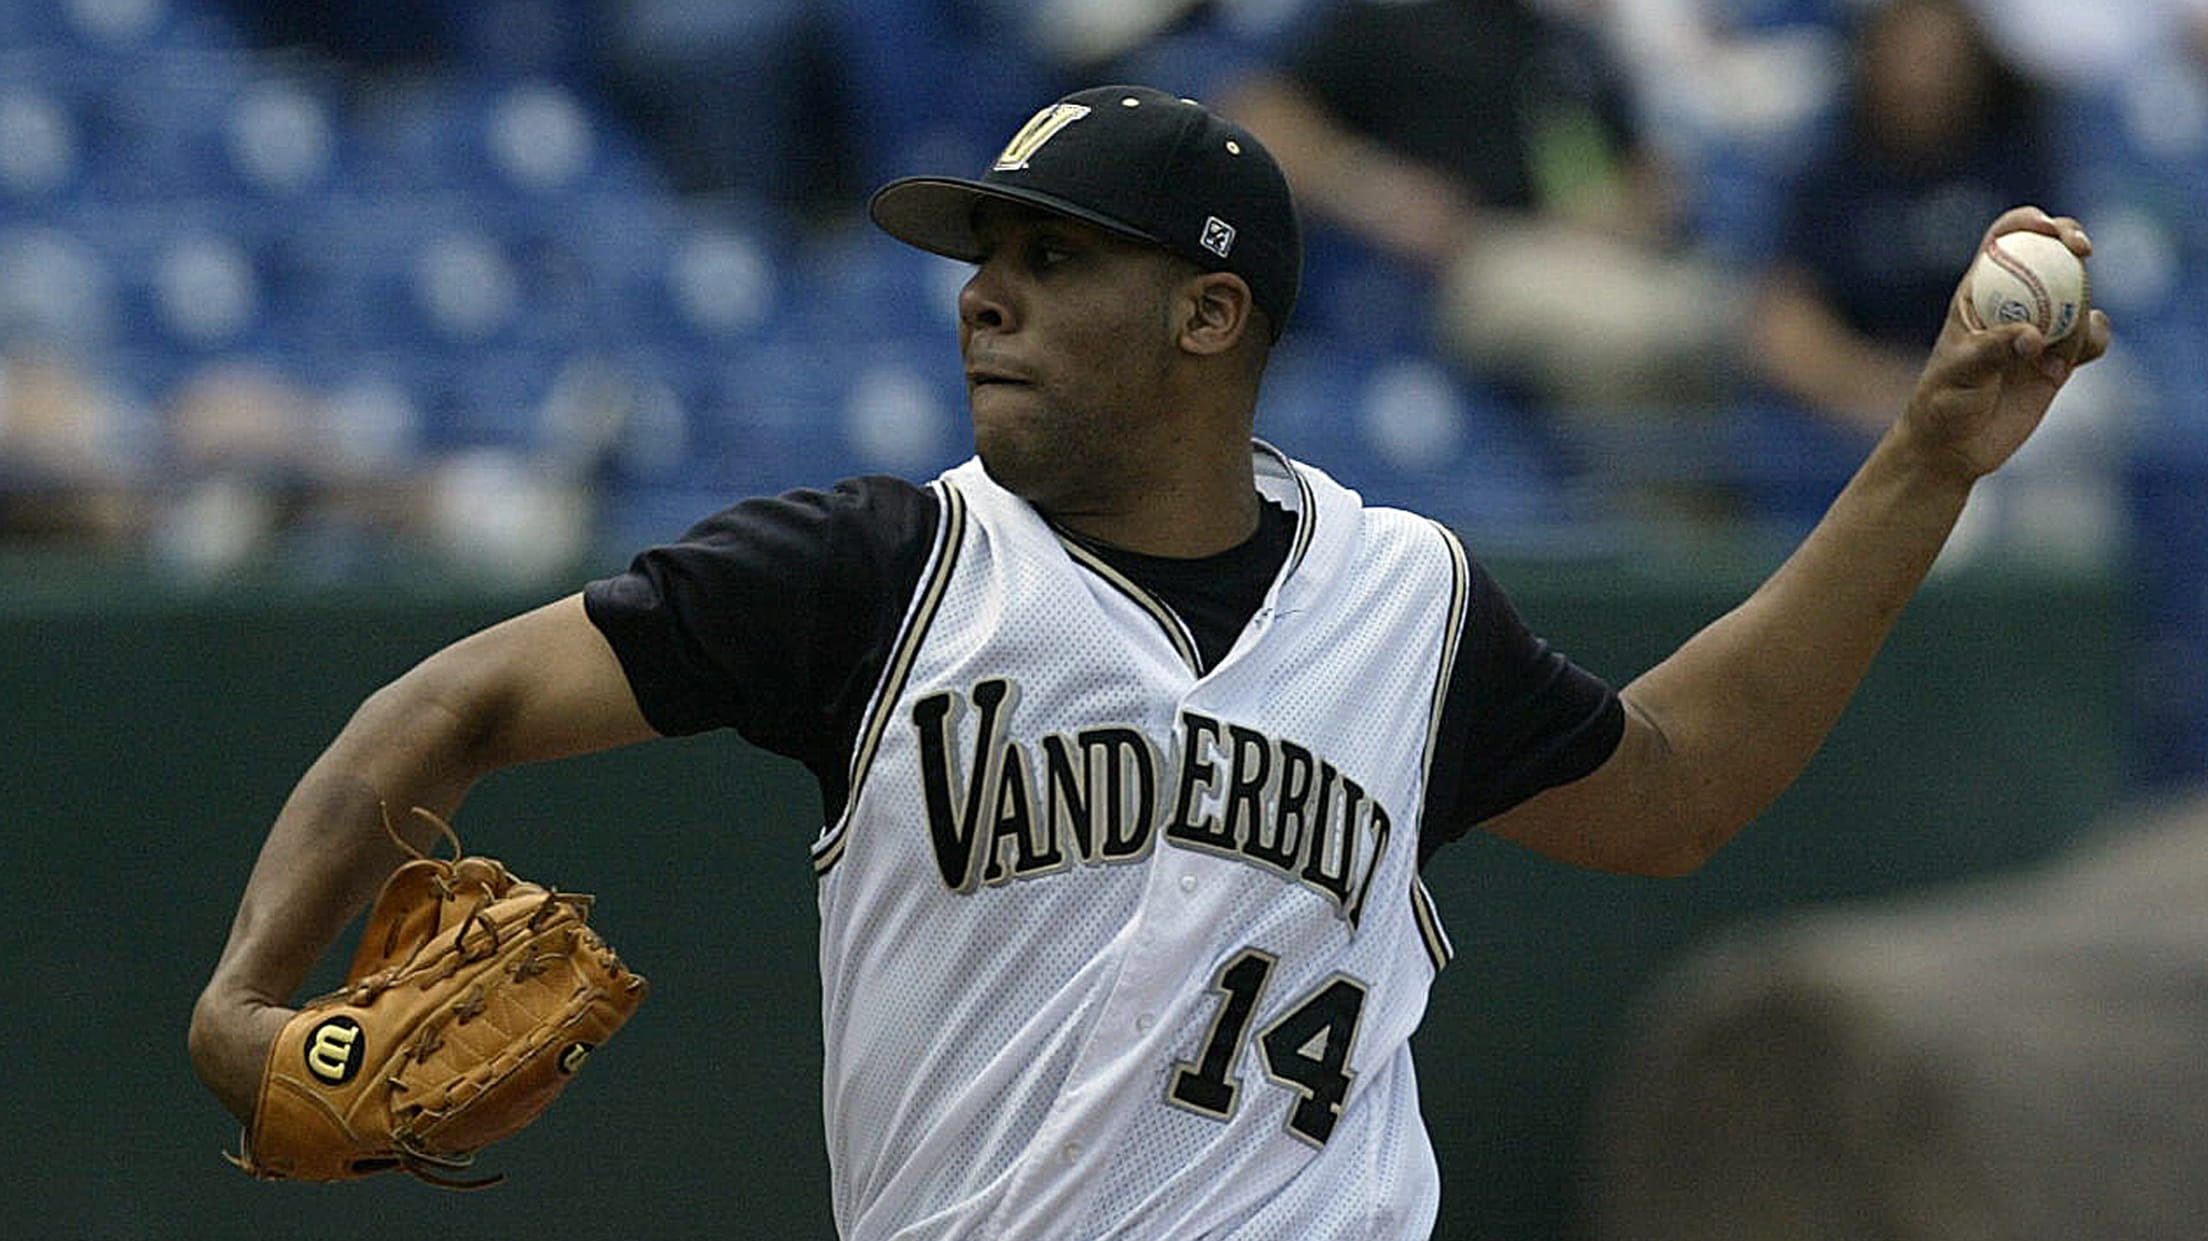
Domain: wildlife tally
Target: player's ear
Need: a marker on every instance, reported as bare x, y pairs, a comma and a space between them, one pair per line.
1215, 313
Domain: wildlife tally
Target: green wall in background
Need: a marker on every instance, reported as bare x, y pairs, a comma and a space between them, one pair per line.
146, 739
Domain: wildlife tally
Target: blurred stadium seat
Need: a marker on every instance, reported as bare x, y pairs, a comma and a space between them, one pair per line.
280, 133
41, 135
55, 286
1404, 430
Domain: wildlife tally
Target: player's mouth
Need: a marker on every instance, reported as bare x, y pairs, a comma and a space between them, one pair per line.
979, 377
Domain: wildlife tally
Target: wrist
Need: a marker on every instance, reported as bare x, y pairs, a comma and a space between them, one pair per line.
1928, 460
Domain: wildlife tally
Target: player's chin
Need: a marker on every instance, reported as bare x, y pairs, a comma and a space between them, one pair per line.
1020, 459
1008, 420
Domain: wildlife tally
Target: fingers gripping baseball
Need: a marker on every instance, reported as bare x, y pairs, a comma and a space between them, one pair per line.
1987, 385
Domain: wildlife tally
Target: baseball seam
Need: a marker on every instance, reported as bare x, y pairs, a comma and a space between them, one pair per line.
2043, 305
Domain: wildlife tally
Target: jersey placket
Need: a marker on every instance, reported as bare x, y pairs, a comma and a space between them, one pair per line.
1135, 1039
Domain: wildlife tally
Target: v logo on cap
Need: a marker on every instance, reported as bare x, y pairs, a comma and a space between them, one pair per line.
1040, 128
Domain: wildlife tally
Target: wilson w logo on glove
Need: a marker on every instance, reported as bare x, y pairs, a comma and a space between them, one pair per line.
472, 1000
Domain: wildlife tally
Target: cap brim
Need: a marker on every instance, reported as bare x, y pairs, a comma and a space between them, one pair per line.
937, 213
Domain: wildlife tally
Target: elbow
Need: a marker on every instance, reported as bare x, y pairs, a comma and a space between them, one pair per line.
439, 714
229, 1039
205, 1042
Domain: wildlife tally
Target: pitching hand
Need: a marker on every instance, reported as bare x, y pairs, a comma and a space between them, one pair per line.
1985, 387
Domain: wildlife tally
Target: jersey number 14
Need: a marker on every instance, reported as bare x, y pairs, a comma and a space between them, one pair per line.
1306, 1049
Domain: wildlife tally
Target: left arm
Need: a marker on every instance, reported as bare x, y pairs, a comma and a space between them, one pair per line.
1722, 726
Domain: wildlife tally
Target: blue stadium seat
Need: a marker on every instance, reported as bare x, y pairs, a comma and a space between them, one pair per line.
93, 27
282, 136
1786, 462
661, 436
484, 397
769, 409
208, 291
42, 135
931, 87
716, 283
1362, 299
375, 404
1402, 429
59, 284
519, 139
792, 411
861, 284
702, 281
903, 412
160, 120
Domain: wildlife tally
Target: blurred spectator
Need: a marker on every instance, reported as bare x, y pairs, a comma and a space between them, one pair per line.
1082, 35
1937, 134
261, 467
2085, 46
244, 466
1489, 144
1720, 71
68, 472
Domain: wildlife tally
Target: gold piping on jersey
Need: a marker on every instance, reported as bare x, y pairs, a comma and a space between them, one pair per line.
1438, 948
1176, 630
1460, 598
1306, 506
1460, 595
935, 579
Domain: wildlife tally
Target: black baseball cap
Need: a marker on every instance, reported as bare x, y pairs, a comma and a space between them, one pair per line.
1135, 161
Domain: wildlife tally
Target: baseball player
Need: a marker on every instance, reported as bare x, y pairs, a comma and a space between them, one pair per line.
1132, 732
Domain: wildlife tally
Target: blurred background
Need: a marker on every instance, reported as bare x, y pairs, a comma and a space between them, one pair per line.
328, 332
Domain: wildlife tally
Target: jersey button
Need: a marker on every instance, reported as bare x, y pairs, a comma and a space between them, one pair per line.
1069, 1153
1144, 1022
1188, 883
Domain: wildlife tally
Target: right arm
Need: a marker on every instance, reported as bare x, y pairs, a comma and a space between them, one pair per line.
541, 685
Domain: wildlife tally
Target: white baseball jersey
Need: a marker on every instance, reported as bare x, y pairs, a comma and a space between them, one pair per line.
1114, 945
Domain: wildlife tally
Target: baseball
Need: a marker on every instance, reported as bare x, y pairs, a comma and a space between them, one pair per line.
2030, 278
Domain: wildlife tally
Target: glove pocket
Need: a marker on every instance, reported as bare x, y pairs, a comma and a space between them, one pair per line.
514, 1040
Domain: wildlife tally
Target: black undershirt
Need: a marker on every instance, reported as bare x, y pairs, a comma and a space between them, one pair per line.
1215, 595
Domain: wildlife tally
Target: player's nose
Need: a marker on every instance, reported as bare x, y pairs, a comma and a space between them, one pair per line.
983, 304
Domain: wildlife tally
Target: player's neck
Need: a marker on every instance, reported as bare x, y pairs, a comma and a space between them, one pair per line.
1183, 516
